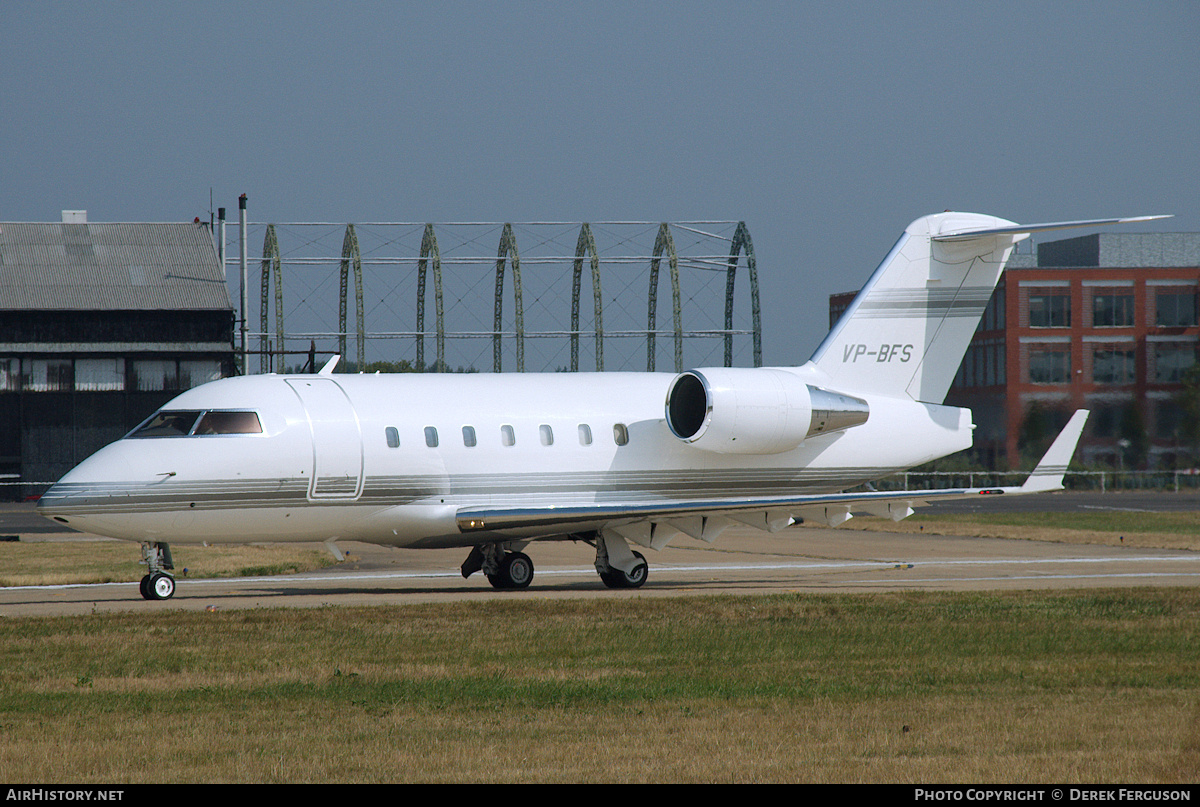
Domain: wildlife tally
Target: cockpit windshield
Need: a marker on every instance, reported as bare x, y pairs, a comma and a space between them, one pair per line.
185, 423
229, 423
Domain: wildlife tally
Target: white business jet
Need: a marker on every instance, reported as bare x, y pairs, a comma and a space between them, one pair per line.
495, 462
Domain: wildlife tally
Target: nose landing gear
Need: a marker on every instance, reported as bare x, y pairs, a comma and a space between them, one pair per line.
157, 584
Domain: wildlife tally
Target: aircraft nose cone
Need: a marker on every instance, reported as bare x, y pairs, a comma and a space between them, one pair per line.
90, 485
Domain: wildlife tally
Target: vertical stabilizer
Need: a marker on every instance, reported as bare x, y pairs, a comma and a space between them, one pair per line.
907, 330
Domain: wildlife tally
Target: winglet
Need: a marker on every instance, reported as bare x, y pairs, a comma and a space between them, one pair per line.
329, 365
1048, 475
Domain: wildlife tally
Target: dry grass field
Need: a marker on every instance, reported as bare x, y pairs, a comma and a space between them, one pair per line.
1171, 530
61, 563
1013, 687
1090, 686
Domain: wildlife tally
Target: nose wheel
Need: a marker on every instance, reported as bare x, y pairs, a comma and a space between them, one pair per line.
157, 584
158, 587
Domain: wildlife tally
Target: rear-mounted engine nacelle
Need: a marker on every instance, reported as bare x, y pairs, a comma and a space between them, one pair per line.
755, 411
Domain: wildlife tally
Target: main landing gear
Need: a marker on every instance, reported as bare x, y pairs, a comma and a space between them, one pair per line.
617, 565
157, 584
504, 570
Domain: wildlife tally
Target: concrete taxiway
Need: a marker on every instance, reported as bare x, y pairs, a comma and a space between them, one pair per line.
742, 561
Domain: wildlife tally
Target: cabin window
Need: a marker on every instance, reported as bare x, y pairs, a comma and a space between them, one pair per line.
507, 436
469, 436
393, 437
431, 438
620, 434
585, 434
546, 434
229, 423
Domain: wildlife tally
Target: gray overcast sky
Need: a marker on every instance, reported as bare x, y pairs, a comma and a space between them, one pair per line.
827, 127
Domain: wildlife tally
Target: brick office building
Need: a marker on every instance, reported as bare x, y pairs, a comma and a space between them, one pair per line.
1105, 322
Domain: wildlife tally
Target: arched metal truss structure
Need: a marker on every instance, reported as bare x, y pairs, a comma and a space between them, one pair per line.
431, 259
351, 255
742, 243
506, 253
664, 242
272, 264
584, 247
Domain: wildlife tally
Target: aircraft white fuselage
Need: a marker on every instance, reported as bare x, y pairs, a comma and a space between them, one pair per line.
495, 461
268, 487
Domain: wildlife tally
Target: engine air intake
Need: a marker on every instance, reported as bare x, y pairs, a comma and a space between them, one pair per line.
755, 411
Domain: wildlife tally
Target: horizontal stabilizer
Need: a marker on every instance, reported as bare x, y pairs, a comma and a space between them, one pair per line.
1019, 229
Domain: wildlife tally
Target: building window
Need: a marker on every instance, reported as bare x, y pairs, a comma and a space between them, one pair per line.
99, 375
154, 375
1171, 361
1049, 311
1168, 418
1113, 367
10, 375
1103, 420
993, 315
1175, 309
1049, 366
393, 437
50, 375
194, 372
431, 437
983, 364
1112, 311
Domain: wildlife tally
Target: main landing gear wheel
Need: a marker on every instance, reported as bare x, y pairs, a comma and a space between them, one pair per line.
158, 586
516, 571
616, 578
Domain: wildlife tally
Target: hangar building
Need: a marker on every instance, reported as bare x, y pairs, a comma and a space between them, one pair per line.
101, 324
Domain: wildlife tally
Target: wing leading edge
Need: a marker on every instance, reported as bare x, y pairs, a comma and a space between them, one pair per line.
654, 525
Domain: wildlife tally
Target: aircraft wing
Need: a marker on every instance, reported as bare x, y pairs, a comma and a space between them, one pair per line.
651, 524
